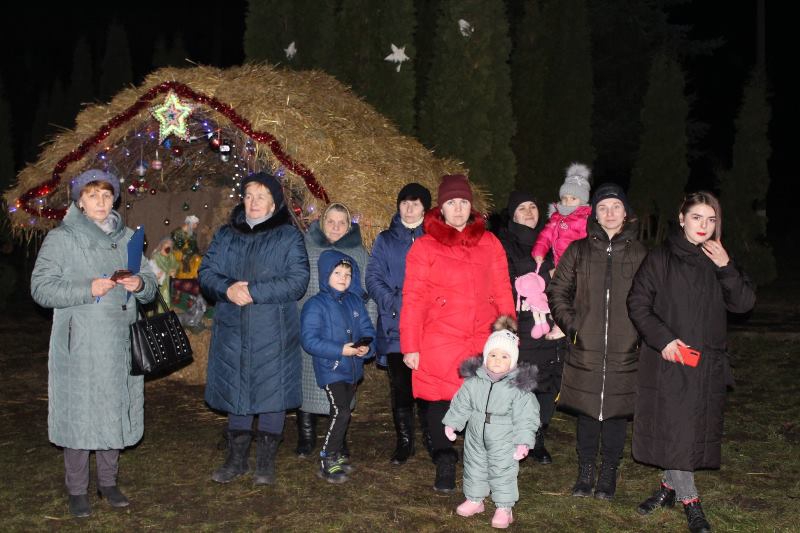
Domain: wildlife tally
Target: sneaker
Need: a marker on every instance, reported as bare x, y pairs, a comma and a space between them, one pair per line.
331, 471
469, 508
502, 518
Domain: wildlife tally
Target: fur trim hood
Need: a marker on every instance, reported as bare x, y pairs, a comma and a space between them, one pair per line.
523, 377
449, 236
239, 222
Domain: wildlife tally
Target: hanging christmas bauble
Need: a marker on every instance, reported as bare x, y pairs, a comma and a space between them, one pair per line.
205, 206
141, 168
131, 189
177, 151
166, 222
128, 205
153, 191
214, 143
185, 206
225, 151
156, 164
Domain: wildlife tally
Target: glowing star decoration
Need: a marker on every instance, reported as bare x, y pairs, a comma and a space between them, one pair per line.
465, 28
291, 51
398, 56
172, 118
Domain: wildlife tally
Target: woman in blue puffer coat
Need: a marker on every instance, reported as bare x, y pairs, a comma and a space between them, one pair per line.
256, 269
385, 274
332, 321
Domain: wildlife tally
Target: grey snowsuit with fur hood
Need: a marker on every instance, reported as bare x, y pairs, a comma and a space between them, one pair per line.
498, 416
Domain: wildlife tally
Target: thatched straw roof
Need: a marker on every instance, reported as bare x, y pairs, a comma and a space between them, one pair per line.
306, 122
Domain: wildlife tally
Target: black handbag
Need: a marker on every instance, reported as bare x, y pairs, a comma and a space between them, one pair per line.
158, 343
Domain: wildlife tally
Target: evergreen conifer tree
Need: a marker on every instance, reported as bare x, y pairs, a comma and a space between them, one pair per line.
367, 31
661, 169
744, 187
7, 177
116, 73
553, 94
174, 56
467, 112
81, 82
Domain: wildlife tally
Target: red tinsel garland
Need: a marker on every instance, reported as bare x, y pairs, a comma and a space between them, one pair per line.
142, 103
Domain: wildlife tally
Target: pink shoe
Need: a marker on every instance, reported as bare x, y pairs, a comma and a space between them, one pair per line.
469, 508
537, 332
555, 334
502, 518
545, 329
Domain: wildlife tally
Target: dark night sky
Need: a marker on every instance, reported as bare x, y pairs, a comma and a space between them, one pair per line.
39, 44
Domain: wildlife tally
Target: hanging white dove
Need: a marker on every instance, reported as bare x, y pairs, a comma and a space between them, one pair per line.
291, 51
465, 28
398, 56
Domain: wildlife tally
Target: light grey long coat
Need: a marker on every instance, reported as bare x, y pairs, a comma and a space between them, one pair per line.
314, 398
94, 402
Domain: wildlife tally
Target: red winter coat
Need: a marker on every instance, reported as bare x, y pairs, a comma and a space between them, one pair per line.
456, 286
560, 231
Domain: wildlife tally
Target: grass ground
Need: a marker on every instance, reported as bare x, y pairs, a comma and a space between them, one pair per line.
167, 476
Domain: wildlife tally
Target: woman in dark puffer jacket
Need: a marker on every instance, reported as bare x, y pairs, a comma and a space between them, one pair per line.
681, 297
588, 301
518, 238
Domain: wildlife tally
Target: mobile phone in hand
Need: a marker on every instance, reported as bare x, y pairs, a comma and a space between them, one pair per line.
363, 341
120, 274
691, 357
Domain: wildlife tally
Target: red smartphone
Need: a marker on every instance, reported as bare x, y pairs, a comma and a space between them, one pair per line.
690, 356
119, 274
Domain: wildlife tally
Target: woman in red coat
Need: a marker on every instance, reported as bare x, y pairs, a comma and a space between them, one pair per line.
456, 285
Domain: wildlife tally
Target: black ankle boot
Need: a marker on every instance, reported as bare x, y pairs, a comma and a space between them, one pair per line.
445, 460
539, 452
585, 482
606, 481
696, 518
237, 459
404, 426
266, 452
663, 497
306, 433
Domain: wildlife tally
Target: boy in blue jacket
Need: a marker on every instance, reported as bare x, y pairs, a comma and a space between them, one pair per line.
332, 321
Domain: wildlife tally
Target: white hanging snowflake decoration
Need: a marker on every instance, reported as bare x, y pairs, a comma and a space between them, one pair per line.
465, 28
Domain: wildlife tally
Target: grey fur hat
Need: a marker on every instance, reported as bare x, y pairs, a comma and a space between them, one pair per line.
577, 182
93, 174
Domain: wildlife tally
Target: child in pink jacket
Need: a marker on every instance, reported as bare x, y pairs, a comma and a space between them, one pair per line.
567, 221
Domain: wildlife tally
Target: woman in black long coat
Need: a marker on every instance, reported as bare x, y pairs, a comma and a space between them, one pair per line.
518, 237
680, 297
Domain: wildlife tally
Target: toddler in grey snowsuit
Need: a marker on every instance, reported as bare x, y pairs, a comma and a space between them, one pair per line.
501, 415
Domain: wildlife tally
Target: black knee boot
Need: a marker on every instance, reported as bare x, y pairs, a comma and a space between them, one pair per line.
237, 460
404, 426
306, 433
422, 414
266, 451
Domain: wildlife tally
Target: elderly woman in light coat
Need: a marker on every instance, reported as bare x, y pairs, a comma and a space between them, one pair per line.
94, 402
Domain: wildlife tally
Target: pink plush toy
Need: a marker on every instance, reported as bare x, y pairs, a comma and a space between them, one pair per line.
531, 288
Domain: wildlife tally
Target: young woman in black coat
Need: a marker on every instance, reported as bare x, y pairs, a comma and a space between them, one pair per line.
518, 238
680, 297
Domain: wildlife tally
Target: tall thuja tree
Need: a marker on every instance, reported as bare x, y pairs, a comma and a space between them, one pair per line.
6, 151
661, 169
116, 71
467, 112
81, 82
368, 30
298, 34
426, 11
552, 93
58, 115
39, 125
172, 56
744, 187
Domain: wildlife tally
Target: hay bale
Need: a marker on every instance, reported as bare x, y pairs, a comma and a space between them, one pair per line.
358, 156
195, 373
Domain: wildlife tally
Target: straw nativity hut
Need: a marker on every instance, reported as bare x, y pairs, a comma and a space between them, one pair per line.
183, 139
